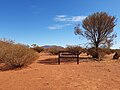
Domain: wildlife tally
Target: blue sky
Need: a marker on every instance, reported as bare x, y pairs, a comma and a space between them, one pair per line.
51, 22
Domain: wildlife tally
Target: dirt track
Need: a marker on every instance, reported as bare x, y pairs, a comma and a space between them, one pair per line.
45, 74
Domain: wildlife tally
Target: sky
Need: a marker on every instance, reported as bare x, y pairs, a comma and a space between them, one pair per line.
51, 22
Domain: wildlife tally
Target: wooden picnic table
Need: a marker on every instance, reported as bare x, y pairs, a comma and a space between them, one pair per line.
68, 54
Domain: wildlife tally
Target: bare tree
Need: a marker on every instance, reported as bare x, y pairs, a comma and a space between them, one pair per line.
98, 29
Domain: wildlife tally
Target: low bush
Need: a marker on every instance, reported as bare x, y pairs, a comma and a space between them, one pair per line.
106, 51
117, 54
38, 49
101, 51
3, 46
74, 49
92, 52
113, 50
55, 50
16, 55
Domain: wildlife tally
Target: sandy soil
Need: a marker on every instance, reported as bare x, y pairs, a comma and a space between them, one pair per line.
45, 74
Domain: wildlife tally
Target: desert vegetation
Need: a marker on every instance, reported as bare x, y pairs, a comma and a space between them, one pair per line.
98, 29
16, 55
101, 51
74, 48
54, 50
38, 49
117, 54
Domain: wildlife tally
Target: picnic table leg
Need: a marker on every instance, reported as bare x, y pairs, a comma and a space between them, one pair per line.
59, 58
77, 59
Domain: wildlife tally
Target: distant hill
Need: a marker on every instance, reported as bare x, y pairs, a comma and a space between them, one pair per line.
52, 46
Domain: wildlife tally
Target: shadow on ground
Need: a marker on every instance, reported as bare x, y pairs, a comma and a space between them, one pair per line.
54, 61
51, 61
4, 67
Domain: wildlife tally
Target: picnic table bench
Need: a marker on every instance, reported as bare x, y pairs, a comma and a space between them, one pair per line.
68, 54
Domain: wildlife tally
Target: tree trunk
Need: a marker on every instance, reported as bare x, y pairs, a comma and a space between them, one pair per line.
97, 51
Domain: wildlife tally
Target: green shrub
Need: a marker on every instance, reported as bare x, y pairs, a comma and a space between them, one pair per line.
16, 55
38, 49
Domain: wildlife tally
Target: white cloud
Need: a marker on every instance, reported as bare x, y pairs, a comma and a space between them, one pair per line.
78, 18
61, 16
58, 27
66, 18
55, 27
65, 21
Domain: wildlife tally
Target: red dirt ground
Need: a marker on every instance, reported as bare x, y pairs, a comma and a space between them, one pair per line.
46, 74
